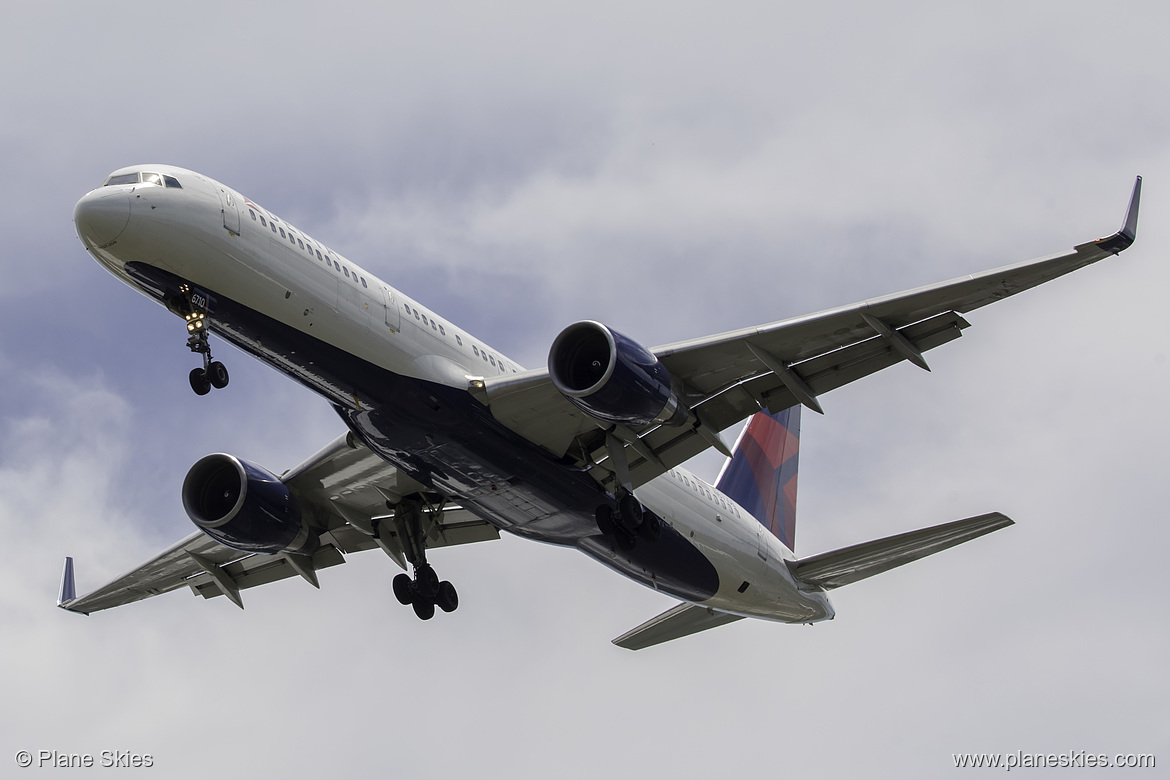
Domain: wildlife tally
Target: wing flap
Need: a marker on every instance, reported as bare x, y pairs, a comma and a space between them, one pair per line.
850, 564
679, 621
262, 569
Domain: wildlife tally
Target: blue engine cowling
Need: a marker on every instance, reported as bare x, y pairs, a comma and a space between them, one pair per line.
244, 507
613, 378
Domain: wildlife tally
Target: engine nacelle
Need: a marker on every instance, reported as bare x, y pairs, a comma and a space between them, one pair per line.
613, 378
244, 507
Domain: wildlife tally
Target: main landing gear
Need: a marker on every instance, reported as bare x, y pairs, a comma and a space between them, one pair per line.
424, 591
628, 522
213, 374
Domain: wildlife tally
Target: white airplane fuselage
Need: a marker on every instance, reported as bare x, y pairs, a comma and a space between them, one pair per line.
399, 375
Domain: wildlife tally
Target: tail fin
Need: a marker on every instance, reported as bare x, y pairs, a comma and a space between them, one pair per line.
761, 475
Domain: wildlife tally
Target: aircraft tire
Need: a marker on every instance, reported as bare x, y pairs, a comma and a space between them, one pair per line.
404, 589
217, 374
651, 527
447, 598
424, 609
199, 381
604, 516
426, 582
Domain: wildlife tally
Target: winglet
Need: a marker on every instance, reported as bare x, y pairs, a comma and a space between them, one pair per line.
68, 593
68, 586
1122, 239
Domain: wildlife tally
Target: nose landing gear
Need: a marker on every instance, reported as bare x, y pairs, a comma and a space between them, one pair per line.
213, 374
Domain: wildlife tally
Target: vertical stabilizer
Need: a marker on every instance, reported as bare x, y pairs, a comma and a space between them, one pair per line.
761, 475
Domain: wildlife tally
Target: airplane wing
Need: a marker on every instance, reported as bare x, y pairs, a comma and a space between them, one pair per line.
344, 489
730, 376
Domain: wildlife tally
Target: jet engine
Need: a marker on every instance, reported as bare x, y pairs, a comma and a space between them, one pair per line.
244, 507
613, 378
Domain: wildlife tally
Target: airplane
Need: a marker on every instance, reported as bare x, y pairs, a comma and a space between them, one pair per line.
449, 441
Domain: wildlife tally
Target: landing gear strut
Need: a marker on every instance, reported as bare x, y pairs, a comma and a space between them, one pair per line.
629, 521
424, 591
192, 305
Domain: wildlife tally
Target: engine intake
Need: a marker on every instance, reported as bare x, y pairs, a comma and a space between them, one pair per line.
244, 507
613, 378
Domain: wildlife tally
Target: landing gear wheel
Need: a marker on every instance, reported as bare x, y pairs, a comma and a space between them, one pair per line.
404, 589
424, 609
604, 516
426, 582
630, 511
199, 381
217, 374
447, 598
624, 539
651, 527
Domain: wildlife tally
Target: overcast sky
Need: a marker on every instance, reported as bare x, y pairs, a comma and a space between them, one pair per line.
673, 169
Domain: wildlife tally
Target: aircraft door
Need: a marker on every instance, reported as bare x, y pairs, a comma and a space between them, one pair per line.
393, 315
231, 214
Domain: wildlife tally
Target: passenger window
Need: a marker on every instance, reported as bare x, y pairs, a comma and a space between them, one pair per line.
441, 331
263, 221
300, 243
253, 213
475, 350
458, 340
282, 232
493, 360
416, 314
484, 356
433, 326
273, 226
346, 270
364, 283
319, 254
424, 319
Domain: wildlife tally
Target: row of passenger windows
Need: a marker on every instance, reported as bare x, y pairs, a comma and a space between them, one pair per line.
297, 241
330, 261
712, 495
442, 331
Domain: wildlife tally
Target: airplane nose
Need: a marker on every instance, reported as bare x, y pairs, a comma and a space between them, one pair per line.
101, 216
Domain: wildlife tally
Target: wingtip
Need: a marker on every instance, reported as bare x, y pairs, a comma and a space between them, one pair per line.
1124, 238
68, 590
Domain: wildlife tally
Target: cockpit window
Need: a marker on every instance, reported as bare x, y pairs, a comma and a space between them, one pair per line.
144, 177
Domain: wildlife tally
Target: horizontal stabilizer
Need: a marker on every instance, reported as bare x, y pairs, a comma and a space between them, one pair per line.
850, 564
679, 621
